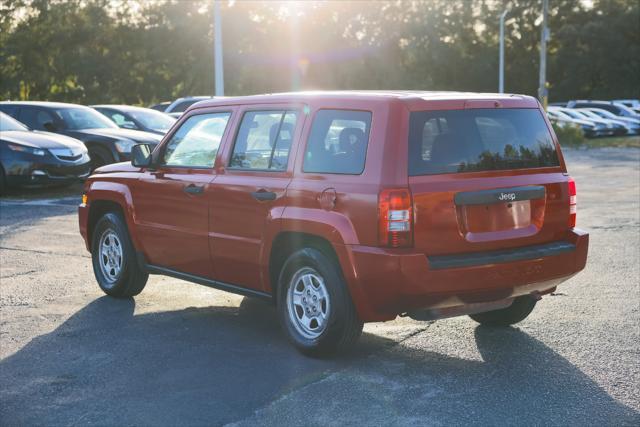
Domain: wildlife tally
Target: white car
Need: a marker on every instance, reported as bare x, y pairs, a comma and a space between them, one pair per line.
615, 128
631, 103
589, 128
633, 124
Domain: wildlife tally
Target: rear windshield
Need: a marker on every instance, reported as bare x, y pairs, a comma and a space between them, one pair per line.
478, 140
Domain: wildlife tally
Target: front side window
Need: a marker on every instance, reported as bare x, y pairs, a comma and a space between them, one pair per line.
478, 140
196, 142
35, 118
264, 140
338, 142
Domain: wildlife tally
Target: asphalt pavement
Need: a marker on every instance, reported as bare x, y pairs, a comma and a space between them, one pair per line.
182, 354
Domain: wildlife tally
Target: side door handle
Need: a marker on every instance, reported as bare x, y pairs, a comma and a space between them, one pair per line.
193, 189
263, 195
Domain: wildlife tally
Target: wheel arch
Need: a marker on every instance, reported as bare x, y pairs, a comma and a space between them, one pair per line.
105, 146
97, 210
286, 243
107, 197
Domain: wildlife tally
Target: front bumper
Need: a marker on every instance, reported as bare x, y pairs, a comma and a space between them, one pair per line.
386, 283
47, 171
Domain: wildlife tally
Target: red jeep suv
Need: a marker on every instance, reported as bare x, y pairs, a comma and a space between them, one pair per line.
346, 207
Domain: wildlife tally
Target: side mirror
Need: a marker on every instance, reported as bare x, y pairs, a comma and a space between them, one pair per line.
49, 126
141, 155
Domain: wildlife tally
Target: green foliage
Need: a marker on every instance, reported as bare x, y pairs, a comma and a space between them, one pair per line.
569, 135
140, 52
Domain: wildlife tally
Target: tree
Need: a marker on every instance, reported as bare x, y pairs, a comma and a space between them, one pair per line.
126, 52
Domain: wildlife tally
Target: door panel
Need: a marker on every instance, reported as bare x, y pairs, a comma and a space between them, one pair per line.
172, 201
250, 192
173, 220
238, 222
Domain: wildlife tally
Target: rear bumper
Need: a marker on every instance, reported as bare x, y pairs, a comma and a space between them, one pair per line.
385, 283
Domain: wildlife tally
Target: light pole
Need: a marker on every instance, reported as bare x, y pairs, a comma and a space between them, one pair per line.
217, 48
542, 87
501, 68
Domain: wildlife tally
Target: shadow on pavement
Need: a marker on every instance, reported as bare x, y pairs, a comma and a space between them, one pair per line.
28, 209
531, 383
107, 366
213, 365
518, 381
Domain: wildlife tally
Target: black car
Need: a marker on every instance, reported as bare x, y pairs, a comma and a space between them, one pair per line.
106, 142
160, 106
29, 158
138, 118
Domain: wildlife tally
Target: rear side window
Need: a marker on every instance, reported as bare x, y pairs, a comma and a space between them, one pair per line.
264, 140
338, 142
196, 142
479, 140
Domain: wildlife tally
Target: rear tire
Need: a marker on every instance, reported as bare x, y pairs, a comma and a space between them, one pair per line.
314, 305
516, 312
114, 259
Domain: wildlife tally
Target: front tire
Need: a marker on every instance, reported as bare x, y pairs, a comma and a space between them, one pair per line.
100, 157
3, 182
516, 312
314, 305
114, 260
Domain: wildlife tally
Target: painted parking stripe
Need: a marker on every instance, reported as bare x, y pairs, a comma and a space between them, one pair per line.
63, 201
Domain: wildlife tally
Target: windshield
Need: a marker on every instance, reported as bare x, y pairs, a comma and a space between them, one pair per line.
626, 109
575, 114
590, 114
8, 123
605, 114
473, 140
152, 119
84, 118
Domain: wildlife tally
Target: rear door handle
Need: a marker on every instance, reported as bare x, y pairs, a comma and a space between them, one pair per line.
263, 195
193, 189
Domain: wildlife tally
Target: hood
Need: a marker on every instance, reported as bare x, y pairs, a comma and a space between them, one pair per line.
117, 167
118, 133
42, 140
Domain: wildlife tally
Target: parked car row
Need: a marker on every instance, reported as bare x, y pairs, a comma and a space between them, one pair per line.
49, 143
598, 118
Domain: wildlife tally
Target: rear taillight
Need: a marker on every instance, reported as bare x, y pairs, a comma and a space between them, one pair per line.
572, 203
395, 218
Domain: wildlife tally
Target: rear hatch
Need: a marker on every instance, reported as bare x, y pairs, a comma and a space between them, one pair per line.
485, 179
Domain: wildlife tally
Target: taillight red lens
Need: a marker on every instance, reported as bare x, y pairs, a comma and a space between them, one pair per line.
572, 203
395, 218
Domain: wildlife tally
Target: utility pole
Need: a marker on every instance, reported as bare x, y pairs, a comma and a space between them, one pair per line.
217, 48
542, 88
501, 68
